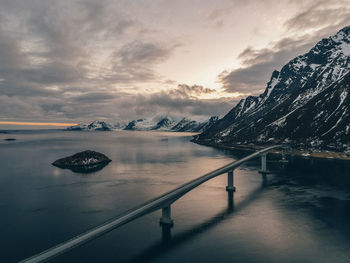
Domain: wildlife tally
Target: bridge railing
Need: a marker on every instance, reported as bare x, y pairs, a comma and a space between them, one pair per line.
161, 202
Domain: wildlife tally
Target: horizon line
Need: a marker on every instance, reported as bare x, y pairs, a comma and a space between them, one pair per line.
36, 123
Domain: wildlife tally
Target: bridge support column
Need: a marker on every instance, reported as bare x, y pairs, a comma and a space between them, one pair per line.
230, 201
166, 220
230, 187
166, 233
263, 163
264, 170
283, 154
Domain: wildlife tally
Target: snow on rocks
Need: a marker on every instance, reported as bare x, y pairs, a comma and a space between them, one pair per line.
83, 162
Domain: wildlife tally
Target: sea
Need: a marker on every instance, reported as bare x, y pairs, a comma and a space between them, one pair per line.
294, 215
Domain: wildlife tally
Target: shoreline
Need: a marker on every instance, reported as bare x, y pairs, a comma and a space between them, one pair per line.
238, 149
299, 154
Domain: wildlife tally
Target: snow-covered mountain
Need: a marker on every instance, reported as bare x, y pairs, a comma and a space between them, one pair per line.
185, 124
188, 125
79, 127
97, 126
140, 125
307, 103
155, 124
169, 124
164, 124
119, 125
207, 124
100, 126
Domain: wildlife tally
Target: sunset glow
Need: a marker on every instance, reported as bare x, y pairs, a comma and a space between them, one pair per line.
58, 124
86, 60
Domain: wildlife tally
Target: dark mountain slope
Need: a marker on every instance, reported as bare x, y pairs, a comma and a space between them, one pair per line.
306, 102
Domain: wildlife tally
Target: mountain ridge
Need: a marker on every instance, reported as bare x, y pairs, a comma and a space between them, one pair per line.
163, 124
294, 91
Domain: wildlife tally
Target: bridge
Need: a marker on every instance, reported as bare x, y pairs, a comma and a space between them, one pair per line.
162, 202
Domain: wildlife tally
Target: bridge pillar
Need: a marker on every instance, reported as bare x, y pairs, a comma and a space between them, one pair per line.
263, 163
166, 220
283, 154
230, 187
264, 170
231, 201
166, 233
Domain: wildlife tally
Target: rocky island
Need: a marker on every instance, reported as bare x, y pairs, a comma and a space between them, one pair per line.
83, 162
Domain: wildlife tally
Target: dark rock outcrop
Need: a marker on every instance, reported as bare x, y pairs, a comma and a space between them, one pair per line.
83, 162
164, 124
131, 126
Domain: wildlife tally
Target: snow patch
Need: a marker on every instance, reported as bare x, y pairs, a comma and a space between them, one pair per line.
89, 161
345, 47
314, 66
338, 37
336, 124
274, 82
300, 64
318, 115
347, 129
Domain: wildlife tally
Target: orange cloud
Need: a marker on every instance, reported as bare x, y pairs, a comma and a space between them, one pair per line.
36, 123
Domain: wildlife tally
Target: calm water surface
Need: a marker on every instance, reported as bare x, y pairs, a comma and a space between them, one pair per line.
42, 205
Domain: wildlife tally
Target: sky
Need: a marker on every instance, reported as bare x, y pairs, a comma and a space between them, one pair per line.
75, 61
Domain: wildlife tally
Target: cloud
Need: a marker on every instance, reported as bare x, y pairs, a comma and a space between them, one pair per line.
68, 41
87, 59
19, 109
113, 105
172, 104
186, 91
134, 61
258, 65
180, 101
71, 59
140, 52
218, 16
223, 11
321, 14
315, 21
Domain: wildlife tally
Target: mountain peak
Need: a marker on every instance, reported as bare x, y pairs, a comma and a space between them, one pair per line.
344, 31
295, 105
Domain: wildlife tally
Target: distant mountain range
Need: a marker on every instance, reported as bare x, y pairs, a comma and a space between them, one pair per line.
93, 126
164, 124
306, 103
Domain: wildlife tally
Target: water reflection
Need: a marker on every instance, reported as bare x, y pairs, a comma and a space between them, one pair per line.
86, 169
230, 201
166, 228
166, 233
169, 242
281, 221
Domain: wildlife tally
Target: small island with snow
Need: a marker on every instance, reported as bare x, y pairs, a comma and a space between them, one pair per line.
83, 162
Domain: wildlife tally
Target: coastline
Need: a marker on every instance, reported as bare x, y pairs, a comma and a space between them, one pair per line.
328, 156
